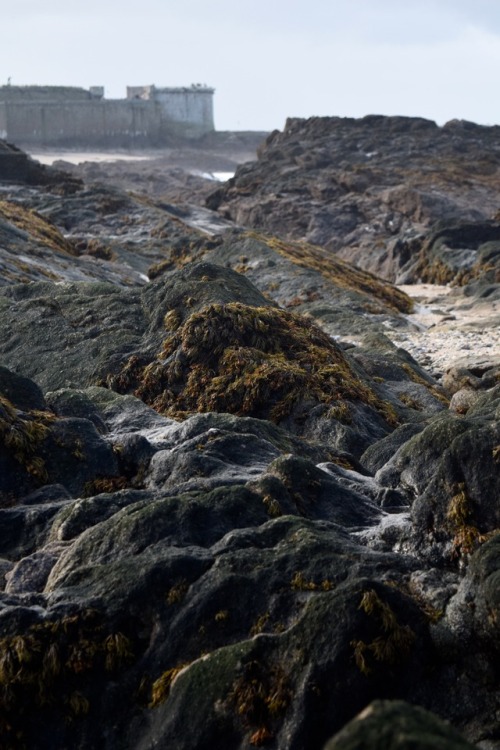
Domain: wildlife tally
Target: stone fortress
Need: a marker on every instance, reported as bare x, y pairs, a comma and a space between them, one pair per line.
59, 116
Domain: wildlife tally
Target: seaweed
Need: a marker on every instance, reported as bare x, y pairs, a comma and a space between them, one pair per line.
36, 226
460, 521
299, 583
394, 642
260, 696
109, 484
22, 435
50, 668
338, 271
249, 361
160, 690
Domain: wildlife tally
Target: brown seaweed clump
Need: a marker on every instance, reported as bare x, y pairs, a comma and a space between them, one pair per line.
249, 361
341, 273
36, 226
48, 673
21, 436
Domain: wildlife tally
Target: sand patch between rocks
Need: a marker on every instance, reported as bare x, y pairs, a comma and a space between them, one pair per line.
451, 329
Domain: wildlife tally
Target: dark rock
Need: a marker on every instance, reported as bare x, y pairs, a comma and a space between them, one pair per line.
286, 583
315, 492
89, 322
388, 725
94, 233
96, 324
373, 191
458, 252
366, 486
34, 249
451, 471
31, 573
50, 493
212, 457
25, 529
74, 518
311, 702
40, 449
22, 392
481, 593
305, 528
72, 403
378, 454
17, 167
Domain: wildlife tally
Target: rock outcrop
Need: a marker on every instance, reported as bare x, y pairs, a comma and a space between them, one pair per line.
398, 196
394, 724
233, 513
16, 167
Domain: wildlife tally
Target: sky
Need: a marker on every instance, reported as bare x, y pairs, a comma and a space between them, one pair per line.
269, 59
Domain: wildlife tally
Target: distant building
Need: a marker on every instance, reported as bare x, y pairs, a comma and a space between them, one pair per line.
70, 116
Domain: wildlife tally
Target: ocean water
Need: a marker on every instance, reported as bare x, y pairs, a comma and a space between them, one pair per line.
79, 157
76, 157
218, 176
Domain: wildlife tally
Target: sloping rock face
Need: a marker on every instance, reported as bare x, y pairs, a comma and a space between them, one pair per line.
232, 512
394, 724
373, 190
110, 235
304, 278
17, 167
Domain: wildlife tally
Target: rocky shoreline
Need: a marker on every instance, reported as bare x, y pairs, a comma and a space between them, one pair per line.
249, 492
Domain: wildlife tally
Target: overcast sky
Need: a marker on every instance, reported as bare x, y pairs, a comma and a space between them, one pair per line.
269, 59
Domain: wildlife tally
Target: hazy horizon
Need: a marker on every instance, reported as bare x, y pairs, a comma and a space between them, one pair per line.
267, 61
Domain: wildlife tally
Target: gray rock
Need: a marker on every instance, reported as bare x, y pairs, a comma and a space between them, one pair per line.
363, 189
211, 579
463, 400
397, 725
31, 573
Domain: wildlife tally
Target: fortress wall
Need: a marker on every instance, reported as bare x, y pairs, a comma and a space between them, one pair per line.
76, 118
3, 121
43, 94
193, 107
90, 123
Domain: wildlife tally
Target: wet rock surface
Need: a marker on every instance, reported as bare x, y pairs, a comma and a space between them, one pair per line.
394, 724
242, 503
398, 196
